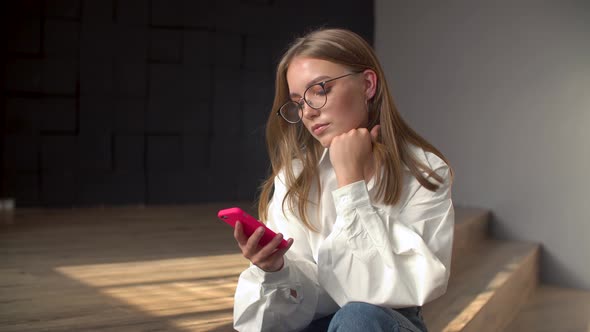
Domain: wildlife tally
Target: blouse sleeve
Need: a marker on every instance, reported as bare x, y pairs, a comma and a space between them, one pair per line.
394, 260
286, 300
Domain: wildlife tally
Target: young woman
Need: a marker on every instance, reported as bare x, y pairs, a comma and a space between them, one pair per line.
364, 201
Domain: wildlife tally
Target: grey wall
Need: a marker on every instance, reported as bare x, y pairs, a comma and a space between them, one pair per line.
503, 89
145, 101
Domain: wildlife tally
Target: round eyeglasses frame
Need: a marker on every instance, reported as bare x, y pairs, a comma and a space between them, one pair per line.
299, 104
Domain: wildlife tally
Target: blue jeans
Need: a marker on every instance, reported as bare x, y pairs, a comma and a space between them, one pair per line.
364, 317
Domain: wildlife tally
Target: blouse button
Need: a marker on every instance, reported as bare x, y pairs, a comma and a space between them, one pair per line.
345, 200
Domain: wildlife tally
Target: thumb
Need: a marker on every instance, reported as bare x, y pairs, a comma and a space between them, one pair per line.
375, 133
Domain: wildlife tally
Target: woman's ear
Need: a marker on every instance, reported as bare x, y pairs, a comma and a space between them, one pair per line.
370, 80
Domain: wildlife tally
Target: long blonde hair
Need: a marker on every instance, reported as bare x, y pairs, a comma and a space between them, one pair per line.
288, 142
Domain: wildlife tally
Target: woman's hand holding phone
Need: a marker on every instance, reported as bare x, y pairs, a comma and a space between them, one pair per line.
269, 257
263, 247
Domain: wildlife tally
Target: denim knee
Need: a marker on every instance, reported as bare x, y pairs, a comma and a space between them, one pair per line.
363, 317
359, 316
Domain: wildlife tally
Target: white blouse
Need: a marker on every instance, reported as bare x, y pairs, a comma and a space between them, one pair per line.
392, 256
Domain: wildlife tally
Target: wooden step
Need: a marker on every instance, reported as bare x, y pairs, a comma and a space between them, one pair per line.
486, 288
471, 229
552, 308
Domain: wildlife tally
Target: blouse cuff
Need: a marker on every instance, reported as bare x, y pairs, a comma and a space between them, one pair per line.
351, 196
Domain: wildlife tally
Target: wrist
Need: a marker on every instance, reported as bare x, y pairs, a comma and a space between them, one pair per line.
274, 277
348, 179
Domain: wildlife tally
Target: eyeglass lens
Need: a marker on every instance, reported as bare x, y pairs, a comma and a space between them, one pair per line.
314, 96
291, 112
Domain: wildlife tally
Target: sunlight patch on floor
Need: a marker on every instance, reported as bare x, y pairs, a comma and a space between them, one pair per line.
189, 292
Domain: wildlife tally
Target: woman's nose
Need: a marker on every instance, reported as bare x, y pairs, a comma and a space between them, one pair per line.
309, 112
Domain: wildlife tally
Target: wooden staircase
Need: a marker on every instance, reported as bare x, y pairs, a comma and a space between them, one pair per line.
494, 286
490, 279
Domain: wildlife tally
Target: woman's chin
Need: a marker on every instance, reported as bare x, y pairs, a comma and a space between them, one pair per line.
325, 141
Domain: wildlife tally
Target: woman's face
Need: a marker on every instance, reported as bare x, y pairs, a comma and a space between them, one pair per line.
345, 108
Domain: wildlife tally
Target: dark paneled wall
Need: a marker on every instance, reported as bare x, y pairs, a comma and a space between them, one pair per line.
135, 101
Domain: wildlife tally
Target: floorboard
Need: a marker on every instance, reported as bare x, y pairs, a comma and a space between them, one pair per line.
118, 269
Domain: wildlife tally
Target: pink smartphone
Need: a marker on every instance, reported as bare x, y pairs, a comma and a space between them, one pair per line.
249, 223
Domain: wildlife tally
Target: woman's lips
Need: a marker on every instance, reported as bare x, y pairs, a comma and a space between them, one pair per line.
319, 128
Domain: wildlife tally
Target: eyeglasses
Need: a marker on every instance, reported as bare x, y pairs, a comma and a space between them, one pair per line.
315, 96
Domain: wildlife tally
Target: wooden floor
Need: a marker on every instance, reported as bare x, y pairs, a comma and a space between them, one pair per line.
122, 269
175, 269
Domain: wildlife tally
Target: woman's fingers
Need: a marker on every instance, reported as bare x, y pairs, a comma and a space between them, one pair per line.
251, 246
271, 247
268, 257
280, 252
276, 259
375, 133
271, 259
239, 234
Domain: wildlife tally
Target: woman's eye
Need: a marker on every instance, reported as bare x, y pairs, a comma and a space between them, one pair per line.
317, 90
322, 92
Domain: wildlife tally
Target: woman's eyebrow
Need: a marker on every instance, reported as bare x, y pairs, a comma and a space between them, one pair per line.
317, 80
312, 82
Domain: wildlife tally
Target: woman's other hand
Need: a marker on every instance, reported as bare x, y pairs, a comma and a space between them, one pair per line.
351, 155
